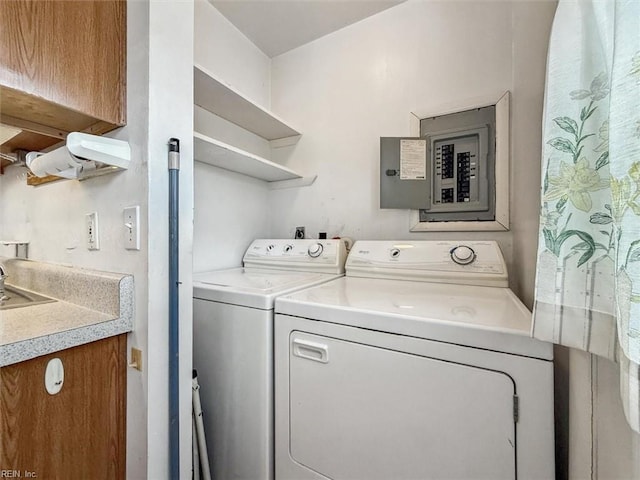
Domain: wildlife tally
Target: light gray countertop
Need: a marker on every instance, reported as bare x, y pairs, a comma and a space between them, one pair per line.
90, 305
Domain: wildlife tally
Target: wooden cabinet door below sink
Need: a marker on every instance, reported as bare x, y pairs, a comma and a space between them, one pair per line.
79, 432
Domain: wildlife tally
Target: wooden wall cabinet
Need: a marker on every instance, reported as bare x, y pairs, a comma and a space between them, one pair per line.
79, 432
62, 69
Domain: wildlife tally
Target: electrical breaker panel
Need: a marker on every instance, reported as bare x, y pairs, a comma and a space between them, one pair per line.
453, 178
459, 171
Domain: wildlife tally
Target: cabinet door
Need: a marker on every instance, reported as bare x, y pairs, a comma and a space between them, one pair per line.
77, 433
70, 53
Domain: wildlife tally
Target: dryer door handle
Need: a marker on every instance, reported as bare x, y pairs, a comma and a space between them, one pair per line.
318, 352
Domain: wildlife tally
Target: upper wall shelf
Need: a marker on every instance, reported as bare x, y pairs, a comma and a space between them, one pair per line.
215, 96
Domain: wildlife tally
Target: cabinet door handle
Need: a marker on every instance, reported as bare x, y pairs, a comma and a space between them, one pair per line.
54, 376
318, 352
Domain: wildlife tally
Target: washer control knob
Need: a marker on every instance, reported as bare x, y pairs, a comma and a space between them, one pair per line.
315, 250
270, 247
288, 248
394, 252
462, 255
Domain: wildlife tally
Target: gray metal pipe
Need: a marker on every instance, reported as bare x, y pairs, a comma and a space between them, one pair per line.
174, 283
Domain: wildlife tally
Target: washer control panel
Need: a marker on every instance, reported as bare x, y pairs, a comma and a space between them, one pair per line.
468, 263
325, 256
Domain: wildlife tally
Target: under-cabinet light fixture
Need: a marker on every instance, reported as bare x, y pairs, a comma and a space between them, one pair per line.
84, 156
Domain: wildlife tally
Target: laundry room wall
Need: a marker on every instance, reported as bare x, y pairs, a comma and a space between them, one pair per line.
347, 89
601, 446
231, 209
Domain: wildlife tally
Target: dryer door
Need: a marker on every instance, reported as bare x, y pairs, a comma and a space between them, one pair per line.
365, 412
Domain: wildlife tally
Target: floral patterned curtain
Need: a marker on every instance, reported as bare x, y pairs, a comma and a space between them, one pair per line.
588, 275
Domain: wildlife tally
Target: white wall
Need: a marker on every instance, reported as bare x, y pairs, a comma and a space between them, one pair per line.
51, 217
171, 40
231, 210
617, 446
347, 89
602, 445
531, 29
223, 50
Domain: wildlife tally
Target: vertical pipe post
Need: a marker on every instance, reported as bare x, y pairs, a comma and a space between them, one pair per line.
174, 282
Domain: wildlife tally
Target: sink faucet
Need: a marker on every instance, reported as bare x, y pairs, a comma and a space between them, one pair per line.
3, 275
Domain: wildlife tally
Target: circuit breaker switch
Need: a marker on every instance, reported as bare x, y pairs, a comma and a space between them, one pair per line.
456, 186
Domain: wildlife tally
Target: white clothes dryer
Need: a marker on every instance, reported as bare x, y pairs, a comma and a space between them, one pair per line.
233, 347
418, 364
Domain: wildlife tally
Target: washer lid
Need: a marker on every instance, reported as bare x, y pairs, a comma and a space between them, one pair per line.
252, 287
485, 317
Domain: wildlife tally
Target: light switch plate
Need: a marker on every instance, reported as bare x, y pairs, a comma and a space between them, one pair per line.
132, 228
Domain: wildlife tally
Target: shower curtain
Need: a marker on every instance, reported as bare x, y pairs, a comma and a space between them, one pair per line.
588, 274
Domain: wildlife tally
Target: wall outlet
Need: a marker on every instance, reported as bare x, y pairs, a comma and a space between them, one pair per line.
299, 235
93, 238
136, 358
132, 228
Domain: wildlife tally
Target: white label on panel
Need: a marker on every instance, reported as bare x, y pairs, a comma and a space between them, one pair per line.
413, 159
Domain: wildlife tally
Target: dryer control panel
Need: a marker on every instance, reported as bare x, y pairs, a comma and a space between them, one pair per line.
465, 263
323, 256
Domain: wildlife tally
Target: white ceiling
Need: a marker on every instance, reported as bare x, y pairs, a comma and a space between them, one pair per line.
277, 26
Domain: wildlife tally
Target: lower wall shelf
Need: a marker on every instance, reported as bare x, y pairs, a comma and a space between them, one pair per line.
219, 154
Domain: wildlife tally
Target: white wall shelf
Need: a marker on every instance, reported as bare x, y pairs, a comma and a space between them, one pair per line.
214, 95
219, 154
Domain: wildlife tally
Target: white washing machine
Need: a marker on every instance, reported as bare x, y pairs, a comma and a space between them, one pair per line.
417, 364
233, 347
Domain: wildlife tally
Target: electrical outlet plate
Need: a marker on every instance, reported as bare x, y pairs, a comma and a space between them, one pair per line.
93, 238
299, 235
132, 228
136, 358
